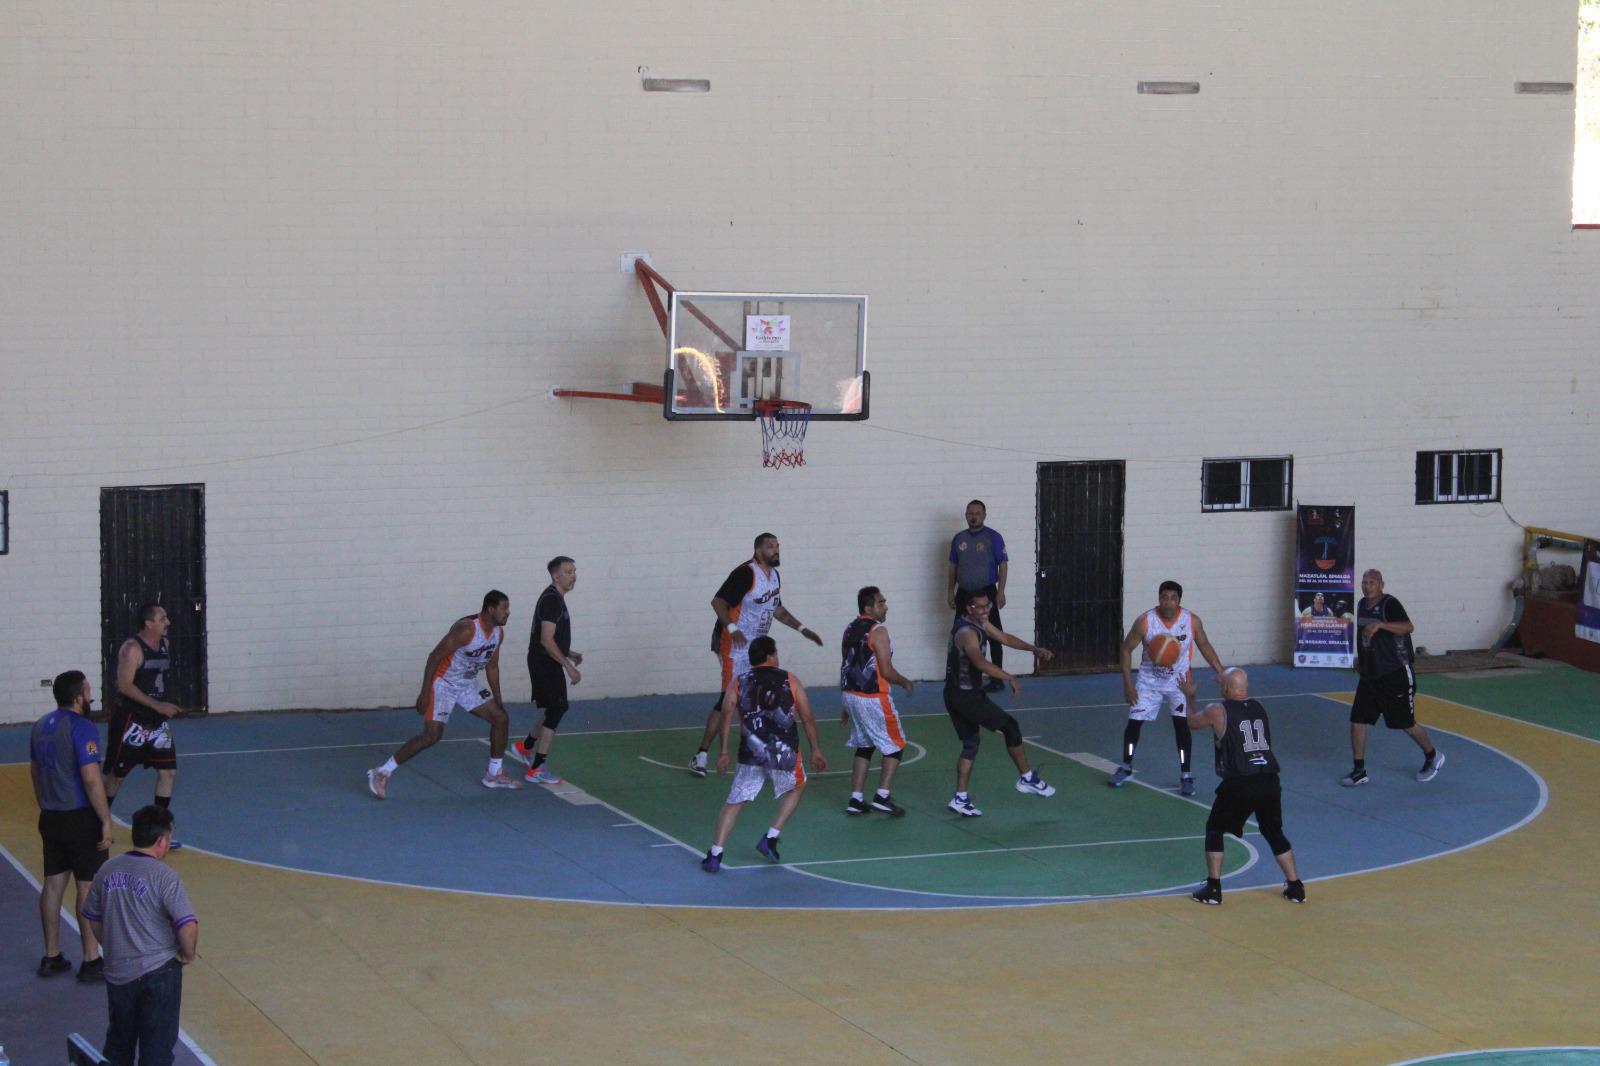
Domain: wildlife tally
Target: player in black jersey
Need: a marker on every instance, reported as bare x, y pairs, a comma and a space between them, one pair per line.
772, 709
970, 707
1250, 787
866, 670
140, 733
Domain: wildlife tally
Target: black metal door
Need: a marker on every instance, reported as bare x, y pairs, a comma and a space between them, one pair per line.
153, 550
1078, 591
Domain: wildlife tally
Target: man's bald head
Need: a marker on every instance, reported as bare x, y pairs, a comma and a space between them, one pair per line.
1235, 684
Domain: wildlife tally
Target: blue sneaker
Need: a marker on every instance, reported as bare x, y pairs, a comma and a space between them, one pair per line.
1120, 778
1186, 786
768, 846
711, 863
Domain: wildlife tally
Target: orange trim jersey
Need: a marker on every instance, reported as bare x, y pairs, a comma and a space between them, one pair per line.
467, 661
1179, 630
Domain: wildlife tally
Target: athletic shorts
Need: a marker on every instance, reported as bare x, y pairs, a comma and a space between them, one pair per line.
874, 723
549, 682
1392, 695
1258, 796
71, 842
1155, 687
971, 710
130, 744
446, 696
734, 660
748, 779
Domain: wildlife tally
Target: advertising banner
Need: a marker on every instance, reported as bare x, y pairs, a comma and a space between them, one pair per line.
1588, 626
1325, 586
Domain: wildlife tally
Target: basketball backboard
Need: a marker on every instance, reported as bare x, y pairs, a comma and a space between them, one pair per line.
727, 350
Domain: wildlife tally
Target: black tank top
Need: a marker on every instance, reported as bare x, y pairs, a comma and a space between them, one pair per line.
1245, 747
151, 679
858, 668
958, 669
767, 716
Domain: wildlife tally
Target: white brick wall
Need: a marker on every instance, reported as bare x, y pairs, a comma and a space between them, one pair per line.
328, 262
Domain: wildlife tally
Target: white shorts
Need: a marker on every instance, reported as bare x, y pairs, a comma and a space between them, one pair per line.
874, 723
446, 696
1155, 687
747, 781
735, 662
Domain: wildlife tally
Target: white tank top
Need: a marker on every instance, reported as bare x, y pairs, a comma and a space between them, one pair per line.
465, 662
755, 610
1179, 630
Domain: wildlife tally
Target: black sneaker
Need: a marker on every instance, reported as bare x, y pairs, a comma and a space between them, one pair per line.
51, 965
768, 846
1295, 892
1208, 894
888, 806
91, 971
855, 806
1354, 779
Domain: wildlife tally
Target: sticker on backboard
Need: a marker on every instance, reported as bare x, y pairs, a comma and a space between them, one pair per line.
766, 333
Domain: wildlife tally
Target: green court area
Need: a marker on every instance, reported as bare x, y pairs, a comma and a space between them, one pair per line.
1087, 839
1552, 694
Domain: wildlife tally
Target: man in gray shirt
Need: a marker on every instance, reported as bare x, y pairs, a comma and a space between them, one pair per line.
148, 932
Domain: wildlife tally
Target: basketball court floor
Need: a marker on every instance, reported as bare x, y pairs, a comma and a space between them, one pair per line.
451, 924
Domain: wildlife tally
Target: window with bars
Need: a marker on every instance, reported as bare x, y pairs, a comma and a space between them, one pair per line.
1261, 484
1458, 477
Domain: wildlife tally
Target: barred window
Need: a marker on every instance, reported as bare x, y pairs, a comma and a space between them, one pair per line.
1264, 484
1458, 477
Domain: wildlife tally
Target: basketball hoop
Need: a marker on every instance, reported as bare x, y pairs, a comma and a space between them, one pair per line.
783, 432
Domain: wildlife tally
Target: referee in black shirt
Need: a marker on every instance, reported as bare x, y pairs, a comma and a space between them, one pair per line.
551, 662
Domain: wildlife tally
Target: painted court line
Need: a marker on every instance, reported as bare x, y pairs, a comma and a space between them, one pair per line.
71, 920
1468, 1055
997, 851
918, 757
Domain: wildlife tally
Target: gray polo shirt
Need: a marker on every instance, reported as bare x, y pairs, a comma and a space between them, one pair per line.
140, 905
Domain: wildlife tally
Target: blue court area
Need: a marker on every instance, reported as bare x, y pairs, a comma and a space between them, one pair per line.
630, 825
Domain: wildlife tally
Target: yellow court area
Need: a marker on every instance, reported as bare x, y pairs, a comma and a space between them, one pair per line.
1491, 947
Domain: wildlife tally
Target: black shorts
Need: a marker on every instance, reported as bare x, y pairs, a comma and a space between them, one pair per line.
130, 744
549, 686
971, 710
71, 842
1258, 796
1393, 696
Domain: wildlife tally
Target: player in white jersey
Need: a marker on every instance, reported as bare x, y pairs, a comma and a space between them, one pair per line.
745, 606
450, 680
1158, 683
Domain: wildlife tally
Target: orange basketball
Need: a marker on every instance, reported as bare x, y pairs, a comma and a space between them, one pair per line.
1163, 650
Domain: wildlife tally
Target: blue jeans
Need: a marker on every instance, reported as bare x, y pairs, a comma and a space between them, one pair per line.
144, 1015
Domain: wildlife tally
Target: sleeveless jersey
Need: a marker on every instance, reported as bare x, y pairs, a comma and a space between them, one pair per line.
1245, 747
767, 716
465, 662
755, 608
1154, 627
151, 679
858, 670
958, 669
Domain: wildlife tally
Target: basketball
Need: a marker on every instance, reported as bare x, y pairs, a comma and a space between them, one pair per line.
1163, 650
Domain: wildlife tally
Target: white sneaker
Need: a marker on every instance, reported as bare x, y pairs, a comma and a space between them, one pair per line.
1430, 769
500, 780
1036, 787
697, 765
378, 783
964, 807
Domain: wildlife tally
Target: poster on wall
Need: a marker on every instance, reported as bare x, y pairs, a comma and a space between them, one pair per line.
1588, 626
1325, 586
